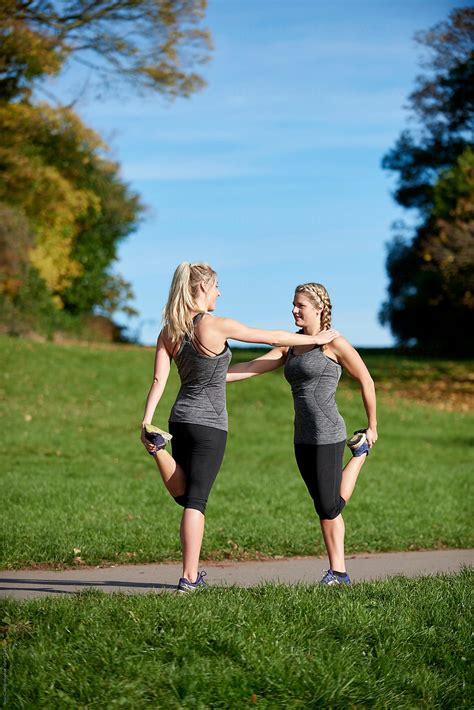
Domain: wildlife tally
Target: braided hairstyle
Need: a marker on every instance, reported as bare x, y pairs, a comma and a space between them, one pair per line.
319, 297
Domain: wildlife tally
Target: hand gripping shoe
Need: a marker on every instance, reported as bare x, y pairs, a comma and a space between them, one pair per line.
156, 436
358, 443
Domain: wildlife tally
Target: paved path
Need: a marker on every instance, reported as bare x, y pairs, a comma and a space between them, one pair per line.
133, 579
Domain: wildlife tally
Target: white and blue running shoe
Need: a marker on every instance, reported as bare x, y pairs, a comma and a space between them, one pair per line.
332, 580
358, 443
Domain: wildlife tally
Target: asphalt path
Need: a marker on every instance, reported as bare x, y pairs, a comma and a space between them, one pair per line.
139, 579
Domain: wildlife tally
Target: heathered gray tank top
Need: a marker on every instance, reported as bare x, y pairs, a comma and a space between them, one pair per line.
202, 395
314, 377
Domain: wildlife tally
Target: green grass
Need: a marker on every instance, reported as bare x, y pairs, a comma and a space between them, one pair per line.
389, 644
75, 476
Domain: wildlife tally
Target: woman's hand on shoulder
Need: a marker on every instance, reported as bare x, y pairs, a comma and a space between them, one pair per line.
326, 336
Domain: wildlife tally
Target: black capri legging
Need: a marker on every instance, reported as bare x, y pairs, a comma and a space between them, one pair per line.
321, 468
199, 450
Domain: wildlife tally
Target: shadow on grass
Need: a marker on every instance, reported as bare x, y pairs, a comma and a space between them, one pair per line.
41, 585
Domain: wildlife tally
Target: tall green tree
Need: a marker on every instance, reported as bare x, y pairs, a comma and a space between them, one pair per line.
430, 300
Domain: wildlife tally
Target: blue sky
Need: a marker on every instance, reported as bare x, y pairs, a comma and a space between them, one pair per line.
272, 174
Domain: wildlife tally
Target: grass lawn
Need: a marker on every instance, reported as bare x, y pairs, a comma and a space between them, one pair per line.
77, 486
402, 643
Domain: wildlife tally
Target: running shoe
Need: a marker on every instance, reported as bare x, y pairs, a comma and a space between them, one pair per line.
185, 586
358, 443
156, 436
332, 580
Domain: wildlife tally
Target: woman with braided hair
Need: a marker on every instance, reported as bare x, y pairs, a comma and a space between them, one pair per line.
313, 371
197, 342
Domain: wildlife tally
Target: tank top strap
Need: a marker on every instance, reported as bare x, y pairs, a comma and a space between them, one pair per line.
204, 349
198, 317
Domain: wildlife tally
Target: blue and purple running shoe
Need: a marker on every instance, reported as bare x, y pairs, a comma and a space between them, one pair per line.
332, 580
156, 436
186, 587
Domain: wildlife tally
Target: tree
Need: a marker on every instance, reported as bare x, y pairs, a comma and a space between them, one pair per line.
150, 44
431, 291
443, 104
55, 172
16, 240
431, 284
95, 249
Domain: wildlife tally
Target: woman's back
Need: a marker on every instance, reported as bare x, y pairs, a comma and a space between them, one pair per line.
202, 395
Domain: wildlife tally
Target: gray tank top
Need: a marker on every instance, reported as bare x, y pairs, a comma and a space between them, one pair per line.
314, 377
202, 395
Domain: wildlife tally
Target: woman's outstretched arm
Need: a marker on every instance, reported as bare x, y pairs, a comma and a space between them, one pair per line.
356, 367
259, 366
230, 328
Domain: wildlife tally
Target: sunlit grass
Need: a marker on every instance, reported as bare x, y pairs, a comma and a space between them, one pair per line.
77, 484
390, 644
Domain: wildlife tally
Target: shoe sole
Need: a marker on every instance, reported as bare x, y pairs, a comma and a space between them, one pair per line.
190, 590
150, 429
358, 444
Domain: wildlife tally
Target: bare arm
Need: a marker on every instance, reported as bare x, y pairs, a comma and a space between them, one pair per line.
238, 331
160, 378
259, 366
356, 367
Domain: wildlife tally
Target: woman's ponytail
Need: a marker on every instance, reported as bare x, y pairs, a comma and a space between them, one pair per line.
177, 314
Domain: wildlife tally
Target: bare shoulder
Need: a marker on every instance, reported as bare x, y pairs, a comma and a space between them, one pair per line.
338, 349
220, 324
165, 341
221, 321
340, 345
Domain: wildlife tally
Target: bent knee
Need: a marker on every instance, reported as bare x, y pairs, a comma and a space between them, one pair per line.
197, 505
193, 503
329, 510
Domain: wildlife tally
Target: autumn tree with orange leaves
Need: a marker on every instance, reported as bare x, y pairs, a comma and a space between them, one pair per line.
65, 207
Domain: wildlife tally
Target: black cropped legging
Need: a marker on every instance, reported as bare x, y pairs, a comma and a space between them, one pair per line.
321, 468
199, 450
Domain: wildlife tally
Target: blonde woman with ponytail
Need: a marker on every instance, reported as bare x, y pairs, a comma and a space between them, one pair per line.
197, 342
313, 371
